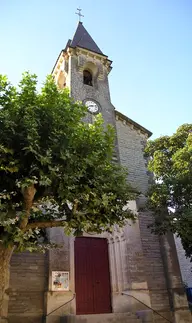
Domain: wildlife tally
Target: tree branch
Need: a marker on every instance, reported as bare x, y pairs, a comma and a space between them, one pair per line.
75, 206
28, 194
46, 224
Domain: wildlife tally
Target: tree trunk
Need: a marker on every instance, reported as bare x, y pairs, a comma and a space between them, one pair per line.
5, 256
28, 194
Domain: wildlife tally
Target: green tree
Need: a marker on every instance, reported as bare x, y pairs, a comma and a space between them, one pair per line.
170, 197
55, 170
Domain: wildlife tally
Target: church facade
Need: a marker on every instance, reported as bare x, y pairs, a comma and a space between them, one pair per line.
127, 276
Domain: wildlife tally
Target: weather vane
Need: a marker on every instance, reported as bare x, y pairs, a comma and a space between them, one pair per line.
79, 13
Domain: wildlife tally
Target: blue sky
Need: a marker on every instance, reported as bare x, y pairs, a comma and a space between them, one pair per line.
149, 42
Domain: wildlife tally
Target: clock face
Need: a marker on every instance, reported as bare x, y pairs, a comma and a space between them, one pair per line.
92, 106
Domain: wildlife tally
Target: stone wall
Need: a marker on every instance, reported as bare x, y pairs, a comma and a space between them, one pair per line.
59, 260
154, 267
131, 143
28, 282
185, 264
160, 259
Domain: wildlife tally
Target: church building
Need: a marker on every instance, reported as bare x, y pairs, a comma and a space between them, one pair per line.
130, 275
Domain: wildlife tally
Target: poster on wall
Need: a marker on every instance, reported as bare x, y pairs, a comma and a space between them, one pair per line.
60, 280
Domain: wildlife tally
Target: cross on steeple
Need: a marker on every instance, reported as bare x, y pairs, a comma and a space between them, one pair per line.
79, 14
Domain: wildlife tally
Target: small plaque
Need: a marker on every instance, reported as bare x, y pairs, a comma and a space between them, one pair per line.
60, 280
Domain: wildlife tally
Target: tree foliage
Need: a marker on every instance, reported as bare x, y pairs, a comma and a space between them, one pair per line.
170, 159
55, 169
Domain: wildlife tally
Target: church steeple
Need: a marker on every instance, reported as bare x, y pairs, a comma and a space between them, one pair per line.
82, 39
83, 68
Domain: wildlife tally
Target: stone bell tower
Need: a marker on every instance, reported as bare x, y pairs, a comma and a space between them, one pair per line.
84, 69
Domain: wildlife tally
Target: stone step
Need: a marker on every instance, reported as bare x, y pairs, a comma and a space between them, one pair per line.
101, 318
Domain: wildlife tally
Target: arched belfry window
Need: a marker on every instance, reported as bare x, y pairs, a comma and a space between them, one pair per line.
87, 78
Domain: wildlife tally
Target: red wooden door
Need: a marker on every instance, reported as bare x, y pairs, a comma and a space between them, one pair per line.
92, 278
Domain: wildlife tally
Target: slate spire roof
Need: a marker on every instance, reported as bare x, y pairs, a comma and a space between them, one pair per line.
84, 40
